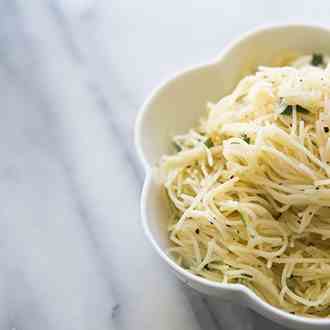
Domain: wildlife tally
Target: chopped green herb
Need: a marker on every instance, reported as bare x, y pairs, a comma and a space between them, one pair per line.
209, 143
243, 218
301, 109
288, 110
246, 138
242, 281
317, 59
290, 282
177, 147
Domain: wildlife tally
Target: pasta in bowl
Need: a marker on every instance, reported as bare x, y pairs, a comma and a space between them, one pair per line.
250, 188
256, 159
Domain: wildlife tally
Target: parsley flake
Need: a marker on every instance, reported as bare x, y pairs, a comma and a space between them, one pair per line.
288, 110
317, 60
209, 143
246, 138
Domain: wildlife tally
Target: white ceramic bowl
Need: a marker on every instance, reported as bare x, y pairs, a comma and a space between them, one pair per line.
177, 104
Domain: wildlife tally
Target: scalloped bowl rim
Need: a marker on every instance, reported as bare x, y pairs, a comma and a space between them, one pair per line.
260, 303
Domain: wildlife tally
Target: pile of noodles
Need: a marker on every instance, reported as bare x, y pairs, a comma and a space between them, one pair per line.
250, 188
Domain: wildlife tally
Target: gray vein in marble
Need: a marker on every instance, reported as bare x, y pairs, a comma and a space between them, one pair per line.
98, 92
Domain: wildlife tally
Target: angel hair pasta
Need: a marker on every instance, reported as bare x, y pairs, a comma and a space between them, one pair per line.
250, 188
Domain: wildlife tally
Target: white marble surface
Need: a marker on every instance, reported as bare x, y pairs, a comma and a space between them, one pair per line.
72, 76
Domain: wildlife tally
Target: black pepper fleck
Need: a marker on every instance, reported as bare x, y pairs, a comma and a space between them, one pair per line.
197, 231
326, 129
